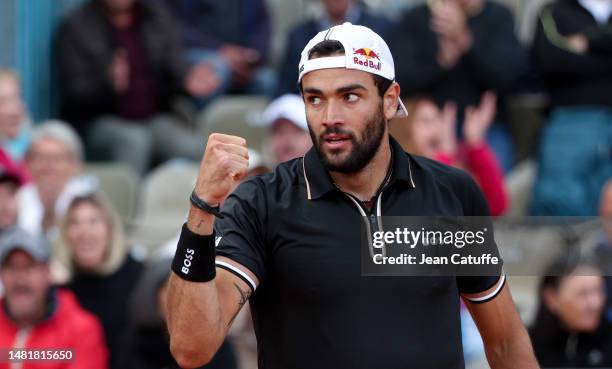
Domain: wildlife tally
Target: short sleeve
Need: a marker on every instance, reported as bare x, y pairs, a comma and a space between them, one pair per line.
240, 233
476, 206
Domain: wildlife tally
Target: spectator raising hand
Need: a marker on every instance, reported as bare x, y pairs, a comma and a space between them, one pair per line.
449, 22
448, 135
432, 132
478, 119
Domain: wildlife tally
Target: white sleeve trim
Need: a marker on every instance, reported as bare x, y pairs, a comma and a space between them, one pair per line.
239, 272
493, 293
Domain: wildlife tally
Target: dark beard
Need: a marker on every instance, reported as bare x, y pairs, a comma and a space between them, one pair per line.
363, 151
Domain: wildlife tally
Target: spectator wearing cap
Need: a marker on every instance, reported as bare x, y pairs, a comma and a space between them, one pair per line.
285, 120
35, 315
335, 12
9, 184
14, 124
572, 50
430, 131
54, 160
120, 65
455, 50
101, 270
229, 41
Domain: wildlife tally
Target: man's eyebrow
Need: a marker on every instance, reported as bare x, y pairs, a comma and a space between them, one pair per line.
354, 86
339, 90
312, 90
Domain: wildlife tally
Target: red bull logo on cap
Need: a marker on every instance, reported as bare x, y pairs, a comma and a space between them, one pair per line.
369, 54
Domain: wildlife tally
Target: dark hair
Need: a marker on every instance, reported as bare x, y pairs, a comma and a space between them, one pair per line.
333, 47
546, 324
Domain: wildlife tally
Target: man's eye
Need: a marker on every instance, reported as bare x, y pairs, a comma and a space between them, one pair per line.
314, 100
352, 97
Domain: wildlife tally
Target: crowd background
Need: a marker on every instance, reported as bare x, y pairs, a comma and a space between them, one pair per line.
105, 107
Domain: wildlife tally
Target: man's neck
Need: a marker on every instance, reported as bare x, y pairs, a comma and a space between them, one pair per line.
367, 181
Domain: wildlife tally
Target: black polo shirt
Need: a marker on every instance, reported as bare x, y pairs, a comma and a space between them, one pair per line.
300, 236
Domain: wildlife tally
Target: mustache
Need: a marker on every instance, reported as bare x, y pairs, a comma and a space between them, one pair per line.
338, 131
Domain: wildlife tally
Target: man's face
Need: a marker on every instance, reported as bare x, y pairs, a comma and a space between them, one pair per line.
12, 111
26, 283
288, 141
119, 6
8, 205
345, 117
51, 164
336, 8
467, 4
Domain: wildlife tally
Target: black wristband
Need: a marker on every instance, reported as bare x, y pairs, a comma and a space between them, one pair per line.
194, 259
203, 205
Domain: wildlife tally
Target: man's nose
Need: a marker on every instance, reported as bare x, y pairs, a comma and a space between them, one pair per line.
333, 113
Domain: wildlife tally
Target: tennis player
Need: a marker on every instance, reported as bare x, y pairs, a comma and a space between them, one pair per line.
289, 242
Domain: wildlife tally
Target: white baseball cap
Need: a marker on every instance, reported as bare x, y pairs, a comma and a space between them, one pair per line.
288, 106
364, 50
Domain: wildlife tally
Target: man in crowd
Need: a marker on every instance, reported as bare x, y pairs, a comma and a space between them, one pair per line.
231, 38
572, 50
120, 68
37, 316
455, 50
285, 121
334, 12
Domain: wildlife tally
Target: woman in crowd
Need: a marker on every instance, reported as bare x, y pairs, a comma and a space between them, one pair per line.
431, 132
98, 266
569, 329
14, 125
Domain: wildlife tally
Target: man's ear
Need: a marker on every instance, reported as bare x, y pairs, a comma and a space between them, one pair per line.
391, 100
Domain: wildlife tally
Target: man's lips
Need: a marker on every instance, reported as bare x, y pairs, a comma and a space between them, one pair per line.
336, 140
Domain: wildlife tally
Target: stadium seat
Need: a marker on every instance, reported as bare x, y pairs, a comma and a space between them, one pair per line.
284, 15
164, 202
234, 115
120, 183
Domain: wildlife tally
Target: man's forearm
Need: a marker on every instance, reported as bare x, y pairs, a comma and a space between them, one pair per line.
195, 321
516, 353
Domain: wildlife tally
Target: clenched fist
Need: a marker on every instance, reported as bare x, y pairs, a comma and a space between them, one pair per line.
225, 163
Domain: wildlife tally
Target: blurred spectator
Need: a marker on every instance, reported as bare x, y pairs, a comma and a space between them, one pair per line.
569, 330
335, 12
9, 184
430, 131
148, 346
573, 51
455, 50
288, 135
603, 248
101, 271
228, 41
14, 124
37, 316
120, 65
54, 160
